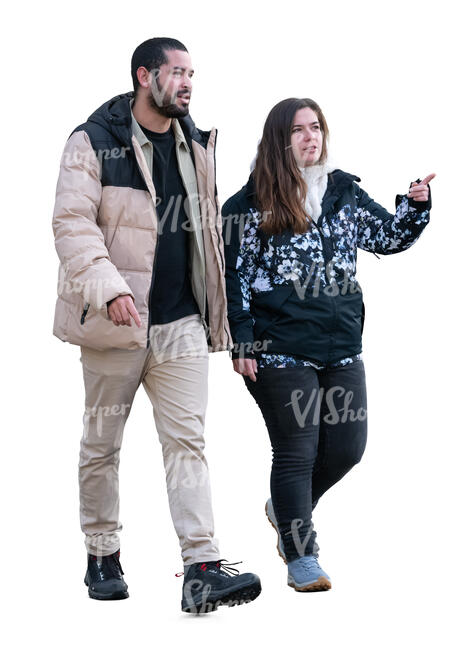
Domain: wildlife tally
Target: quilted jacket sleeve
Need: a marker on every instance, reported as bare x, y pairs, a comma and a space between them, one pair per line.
242, 245
79, 242
385, 233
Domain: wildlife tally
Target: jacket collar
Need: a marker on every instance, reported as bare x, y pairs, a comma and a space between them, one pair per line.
143, 140
116, 116
338, 181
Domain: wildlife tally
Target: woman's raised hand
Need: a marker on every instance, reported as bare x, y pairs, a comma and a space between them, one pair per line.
420, 191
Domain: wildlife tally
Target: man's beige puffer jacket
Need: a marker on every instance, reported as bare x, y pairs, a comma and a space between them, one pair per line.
105, 228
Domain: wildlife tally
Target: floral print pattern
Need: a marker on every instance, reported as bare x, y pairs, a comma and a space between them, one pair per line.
299, 258
286, 361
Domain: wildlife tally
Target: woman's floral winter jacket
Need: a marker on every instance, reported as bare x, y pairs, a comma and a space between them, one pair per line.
295, 296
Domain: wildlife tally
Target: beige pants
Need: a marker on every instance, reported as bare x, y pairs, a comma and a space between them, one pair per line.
174, 372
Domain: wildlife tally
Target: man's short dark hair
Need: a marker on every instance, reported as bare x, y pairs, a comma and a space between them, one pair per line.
151, 54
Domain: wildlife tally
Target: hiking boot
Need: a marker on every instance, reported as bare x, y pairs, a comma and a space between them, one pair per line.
207, 585
305, 574
104, 577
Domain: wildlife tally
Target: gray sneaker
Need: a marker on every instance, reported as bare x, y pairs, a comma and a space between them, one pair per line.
305, 574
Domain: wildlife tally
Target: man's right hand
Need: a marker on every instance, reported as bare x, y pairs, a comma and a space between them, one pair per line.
246, 367
122, 309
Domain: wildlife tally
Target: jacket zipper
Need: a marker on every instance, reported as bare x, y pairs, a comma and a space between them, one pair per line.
154, 260
153, 276
152, 282
84, 313
202, 317
216, 228
331, 298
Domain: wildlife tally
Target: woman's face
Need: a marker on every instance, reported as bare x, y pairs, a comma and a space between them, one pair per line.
306, 138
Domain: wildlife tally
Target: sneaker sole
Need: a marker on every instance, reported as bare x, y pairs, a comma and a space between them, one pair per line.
322, 584
115, 595
276, 530
239, 597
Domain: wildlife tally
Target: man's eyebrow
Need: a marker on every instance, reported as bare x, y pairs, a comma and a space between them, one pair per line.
316, 122
179, 67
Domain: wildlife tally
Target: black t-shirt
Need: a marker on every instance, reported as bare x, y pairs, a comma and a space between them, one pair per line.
172, 296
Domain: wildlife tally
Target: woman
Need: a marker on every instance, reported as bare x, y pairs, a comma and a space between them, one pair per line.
296, 313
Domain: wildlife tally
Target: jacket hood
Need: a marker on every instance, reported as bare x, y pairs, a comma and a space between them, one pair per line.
115, 117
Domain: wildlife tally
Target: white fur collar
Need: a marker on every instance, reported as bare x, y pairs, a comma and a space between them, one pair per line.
316, 178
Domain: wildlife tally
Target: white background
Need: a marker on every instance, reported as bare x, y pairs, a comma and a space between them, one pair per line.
392, 80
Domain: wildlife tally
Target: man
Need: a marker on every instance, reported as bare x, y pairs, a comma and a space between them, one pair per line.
137, 228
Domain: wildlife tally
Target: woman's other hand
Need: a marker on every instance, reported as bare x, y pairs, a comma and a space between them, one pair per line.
246, 367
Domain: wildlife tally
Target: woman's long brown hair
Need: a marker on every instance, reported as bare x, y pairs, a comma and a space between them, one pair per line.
279, 185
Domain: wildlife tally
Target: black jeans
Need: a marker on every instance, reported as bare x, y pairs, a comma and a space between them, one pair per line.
317, 423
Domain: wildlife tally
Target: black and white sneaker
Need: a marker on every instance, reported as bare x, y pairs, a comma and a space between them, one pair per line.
207, 585
104, 577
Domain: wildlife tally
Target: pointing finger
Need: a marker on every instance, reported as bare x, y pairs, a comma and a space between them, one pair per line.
426, 180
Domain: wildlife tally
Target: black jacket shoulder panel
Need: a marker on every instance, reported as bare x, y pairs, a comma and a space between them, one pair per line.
236, 204
97, 134
241, 202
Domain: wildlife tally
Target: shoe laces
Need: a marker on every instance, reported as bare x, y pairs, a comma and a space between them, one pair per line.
225, 569
307, 561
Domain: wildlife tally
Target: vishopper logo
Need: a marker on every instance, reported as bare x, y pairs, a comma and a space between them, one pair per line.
186, 469
208, 217
86, 161
335, 415
230, 222
107, 154
100, 544
95, 417
320, 272
172, 341
92, 289
160, 94
173, 207
300, 545
242, 349
197, 597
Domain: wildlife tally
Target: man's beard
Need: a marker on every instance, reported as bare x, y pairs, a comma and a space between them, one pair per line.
167, 109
